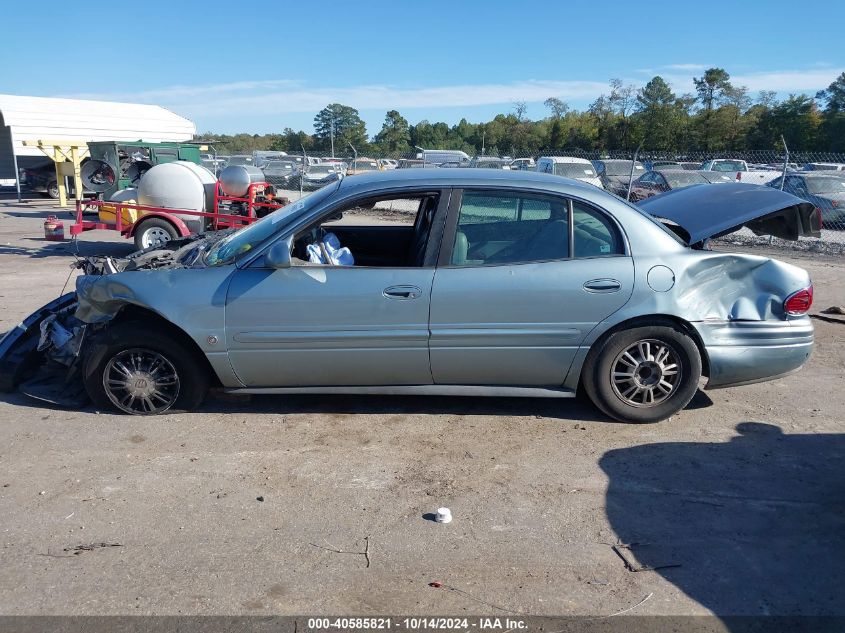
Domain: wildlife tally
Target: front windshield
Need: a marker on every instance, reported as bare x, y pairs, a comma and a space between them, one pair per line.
321, 169
826, 185
230, 248
365, 166
277, 164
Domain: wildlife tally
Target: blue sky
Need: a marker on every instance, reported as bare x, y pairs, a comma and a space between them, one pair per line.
261, 66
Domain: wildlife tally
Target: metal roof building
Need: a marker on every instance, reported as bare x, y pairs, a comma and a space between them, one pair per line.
39, 118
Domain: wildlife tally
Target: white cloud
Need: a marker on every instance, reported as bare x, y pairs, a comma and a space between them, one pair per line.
783, 81
690, 67
287, 96
274, 97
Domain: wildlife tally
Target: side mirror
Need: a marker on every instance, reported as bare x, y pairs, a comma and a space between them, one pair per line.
279, 254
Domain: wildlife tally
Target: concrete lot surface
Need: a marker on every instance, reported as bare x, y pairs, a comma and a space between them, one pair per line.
316, 505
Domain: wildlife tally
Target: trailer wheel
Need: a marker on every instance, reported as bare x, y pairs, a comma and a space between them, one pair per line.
154, 232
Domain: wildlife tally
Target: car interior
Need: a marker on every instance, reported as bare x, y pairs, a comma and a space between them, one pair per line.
491, 230
385, 232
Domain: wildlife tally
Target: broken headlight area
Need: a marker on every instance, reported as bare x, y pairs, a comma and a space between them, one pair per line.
54, 373
43, 356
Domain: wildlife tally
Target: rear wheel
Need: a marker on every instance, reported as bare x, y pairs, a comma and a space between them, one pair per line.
143, 371
643, 374
154, 232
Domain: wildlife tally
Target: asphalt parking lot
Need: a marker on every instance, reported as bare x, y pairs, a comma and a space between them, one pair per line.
316, 505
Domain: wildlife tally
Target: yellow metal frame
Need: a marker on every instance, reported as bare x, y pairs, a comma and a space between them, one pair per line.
61, 152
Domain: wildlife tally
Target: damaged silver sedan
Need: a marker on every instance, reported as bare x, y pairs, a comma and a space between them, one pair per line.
439, 282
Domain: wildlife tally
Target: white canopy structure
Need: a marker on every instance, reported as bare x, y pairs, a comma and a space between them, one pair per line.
37, 118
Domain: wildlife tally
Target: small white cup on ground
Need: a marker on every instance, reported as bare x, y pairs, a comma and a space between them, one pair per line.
444, 515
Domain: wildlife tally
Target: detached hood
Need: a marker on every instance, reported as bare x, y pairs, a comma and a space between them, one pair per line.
708, 211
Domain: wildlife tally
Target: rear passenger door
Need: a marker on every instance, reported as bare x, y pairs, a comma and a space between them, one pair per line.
522, 278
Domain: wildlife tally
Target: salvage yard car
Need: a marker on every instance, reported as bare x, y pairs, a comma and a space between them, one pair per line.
458, 282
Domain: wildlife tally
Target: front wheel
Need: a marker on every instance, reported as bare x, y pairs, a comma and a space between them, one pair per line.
154, 232
643, 374
143, 371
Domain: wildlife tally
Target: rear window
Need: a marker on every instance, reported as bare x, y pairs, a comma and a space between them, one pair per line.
575, 170
826, 185
680, 179
728, 165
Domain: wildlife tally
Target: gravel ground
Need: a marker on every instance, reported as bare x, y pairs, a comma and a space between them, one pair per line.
266, 505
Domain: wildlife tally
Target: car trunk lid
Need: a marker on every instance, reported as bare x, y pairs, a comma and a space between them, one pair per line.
708, 211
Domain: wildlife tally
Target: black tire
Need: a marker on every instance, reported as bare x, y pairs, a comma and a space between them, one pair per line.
157, 226
617, 394
53, 190
134, 338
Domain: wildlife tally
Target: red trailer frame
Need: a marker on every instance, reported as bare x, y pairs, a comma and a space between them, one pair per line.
218, 220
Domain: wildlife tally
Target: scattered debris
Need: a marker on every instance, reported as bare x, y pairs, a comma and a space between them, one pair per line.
648, 597
331, 548
834, 310
92, 546
78, 549
43, 492
437, 585
259, 498
631, 566
444, 515
819, 317
70, 515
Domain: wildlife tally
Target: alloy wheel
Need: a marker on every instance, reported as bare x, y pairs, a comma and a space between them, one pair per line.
141, 381
646, 373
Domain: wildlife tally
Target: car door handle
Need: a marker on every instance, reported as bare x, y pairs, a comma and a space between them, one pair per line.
602, 285
402, 292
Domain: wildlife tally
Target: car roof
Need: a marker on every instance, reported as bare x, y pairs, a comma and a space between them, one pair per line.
480, 177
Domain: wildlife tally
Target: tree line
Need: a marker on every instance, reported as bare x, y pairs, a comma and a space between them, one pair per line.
718, 117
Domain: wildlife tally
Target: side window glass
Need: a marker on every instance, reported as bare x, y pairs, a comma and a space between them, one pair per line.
514, 228
595, 234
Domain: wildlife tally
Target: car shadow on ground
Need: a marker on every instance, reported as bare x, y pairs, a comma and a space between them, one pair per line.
752, 526
42, 248
568, 409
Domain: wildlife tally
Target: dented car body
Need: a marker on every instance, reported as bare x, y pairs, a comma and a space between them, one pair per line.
497, 283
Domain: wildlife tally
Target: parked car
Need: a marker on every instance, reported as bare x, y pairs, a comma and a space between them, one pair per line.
388, 163
42, 179
317, 176
239, 159
499, 283
825, 190
615, 174
482, 162
740, 171
652, 165
569, 167
434, 157
824, 167
282, 173
523, 163
362, 165
660, 181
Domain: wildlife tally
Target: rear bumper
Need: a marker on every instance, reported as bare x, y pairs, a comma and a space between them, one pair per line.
745, 352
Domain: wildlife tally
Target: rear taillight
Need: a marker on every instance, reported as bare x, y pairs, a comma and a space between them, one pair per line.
798, 303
